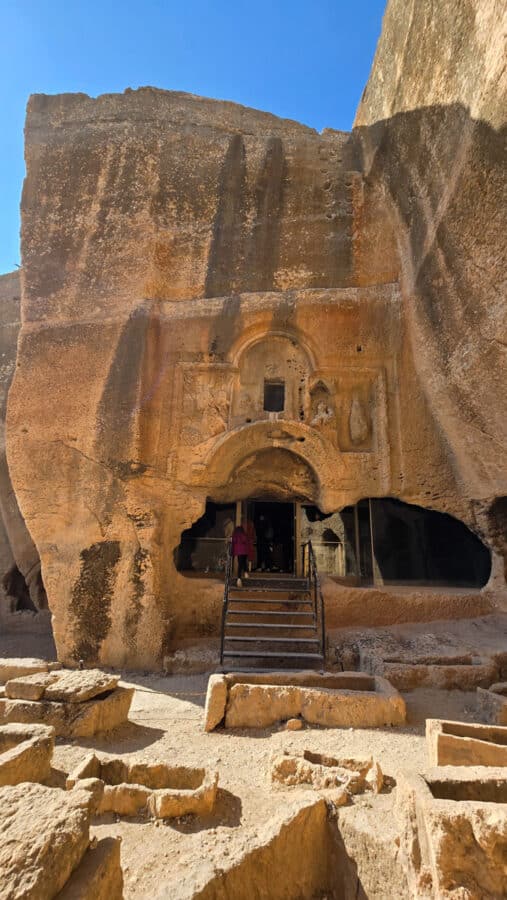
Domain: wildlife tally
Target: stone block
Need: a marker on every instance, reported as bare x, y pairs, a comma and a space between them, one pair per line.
44, 833
492, 704
216, 699
464, 744
340, 700
29, 687
77, 686
72, 719
324, 773
453, 837
25, 753
289, 856
15, 668
99, 875
133, 787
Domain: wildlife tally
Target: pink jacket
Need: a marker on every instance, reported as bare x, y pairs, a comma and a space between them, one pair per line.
241, 543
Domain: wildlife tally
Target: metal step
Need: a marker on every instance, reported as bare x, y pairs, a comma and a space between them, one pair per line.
248, 585
268, 625
269, 612
273, 640
252, 654
265, 600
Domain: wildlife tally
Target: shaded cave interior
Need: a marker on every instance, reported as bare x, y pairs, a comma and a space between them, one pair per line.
376, 541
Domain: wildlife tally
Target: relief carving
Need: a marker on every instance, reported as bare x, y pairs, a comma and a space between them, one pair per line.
359, 427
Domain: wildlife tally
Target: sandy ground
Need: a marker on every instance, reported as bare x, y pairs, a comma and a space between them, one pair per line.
166, 724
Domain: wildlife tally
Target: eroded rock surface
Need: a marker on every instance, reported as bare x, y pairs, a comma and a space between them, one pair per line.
43, 837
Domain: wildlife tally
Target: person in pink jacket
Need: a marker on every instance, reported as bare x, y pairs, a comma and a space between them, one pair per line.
242, 548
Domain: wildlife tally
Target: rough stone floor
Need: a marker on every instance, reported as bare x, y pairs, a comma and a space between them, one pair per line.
166, 723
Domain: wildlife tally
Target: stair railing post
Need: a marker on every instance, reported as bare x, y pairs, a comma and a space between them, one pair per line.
225, 604
317, 593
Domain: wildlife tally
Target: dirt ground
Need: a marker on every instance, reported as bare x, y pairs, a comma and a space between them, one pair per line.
167, 724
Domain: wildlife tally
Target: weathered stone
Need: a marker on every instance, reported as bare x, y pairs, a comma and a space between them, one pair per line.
29, 687
407, 677
80, 685
353, 776
16, 668
454, 831
216, 698
130, 787
294, 724
99, 876
292, 855
492, 705
43, 837
72, 719
464, 744
25, 753
332, 700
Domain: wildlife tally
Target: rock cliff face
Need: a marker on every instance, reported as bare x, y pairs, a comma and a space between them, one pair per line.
179, 251
431, 125
19, 560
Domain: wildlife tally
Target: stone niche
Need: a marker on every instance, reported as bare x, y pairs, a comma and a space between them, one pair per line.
272, 381
464, 744
133, 787
344, 700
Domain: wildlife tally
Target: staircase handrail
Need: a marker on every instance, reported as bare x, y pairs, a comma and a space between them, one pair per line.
225, 604
312, 574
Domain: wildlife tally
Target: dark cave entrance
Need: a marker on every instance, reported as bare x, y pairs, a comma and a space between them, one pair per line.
376, 541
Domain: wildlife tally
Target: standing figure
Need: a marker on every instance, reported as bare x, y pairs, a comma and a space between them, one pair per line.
265, 536
252, 537
242, 548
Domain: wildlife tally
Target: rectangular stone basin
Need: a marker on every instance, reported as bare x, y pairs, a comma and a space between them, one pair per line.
335, 700
453, 828
131, 788
465, 744
462, 673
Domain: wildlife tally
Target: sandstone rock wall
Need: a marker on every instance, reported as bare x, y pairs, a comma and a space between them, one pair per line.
172, 245
431, 127
16, 545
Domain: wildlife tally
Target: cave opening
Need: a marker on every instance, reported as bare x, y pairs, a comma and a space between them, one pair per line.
377, 541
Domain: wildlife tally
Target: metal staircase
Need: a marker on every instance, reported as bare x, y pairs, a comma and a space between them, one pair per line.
273, 621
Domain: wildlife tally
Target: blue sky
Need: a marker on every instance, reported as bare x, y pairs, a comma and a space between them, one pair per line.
304, 60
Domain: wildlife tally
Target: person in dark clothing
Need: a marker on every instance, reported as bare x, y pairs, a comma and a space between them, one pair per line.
264, 544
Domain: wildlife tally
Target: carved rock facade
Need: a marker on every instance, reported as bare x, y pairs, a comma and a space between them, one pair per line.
180, 257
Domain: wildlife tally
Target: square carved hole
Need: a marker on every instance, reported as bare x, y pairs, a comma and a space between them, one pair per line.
274, 395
